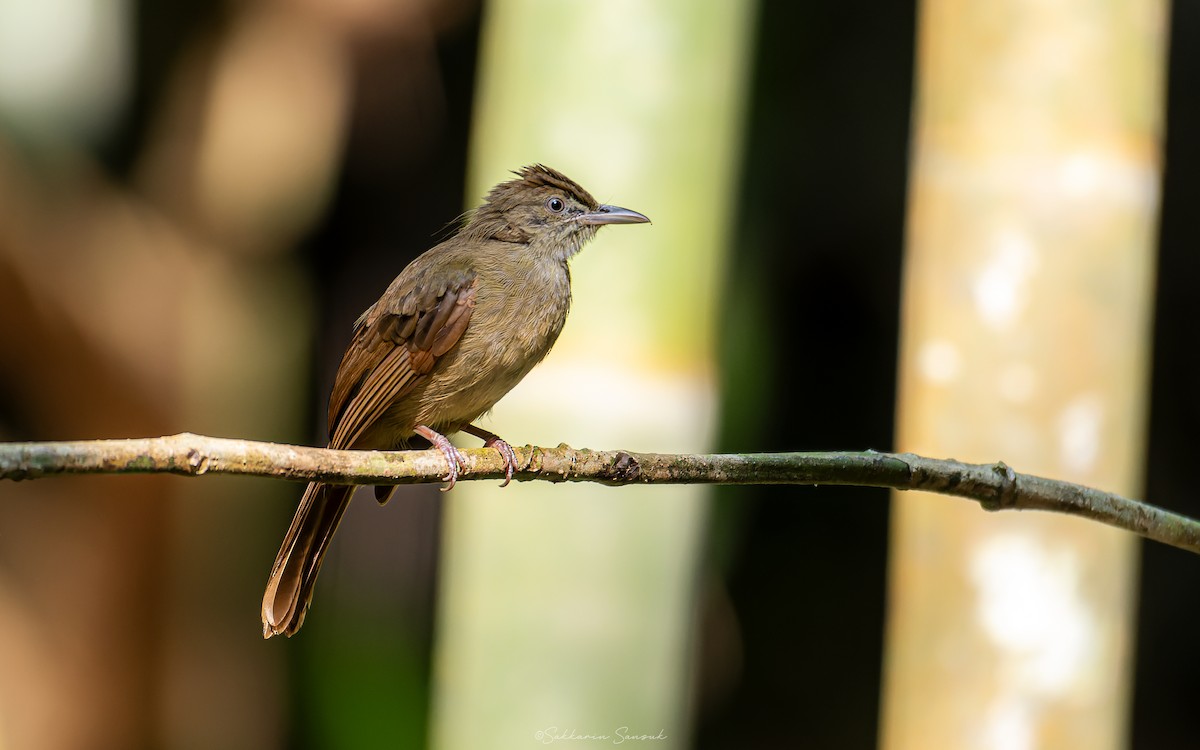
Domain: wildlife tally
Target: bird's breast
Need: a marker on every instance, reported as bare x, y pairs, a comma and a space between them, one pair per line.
518, 316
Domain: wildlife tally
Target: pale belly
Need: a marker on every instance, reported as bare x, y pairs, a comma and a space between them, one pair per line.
468, 380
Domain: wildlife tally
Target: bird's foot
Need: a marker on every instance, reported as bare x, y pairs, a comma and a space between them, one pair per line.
456, 460
507, 453
492, 440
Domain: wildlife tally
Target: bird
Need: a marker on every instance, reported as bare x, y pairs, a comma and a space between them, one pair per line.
456, 330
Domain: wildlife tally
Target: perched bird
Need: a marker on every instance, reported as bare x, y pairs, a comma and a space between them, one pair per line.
456, 330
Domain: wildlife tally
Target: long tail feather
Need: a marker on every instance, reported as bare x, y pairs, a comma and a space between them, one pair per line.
290, 587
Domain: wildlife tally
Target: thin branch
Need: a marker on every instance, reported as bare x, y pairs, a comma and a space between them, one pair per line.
993, 486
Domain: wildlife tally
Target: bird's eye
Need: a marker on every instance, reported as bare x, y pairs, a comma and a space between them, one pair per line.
556, 205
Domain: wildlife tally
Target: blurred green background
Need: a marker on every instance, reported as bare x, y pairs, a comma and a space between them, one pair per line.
198, 199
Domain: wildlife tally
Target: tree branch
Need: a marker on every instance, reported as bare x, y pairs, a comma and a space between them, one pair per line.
993, 486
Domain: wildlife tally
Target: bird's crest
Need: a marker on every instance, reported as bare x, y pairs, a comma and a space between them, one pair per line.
538, 175
535, 176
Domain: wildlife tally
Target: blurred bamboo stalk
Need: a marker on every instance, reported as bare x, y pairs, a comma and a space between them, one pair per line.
1026, 327
569, 607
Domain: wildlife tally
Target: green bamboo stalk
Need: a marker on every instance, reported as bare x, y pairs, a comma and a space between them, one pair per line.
565, 609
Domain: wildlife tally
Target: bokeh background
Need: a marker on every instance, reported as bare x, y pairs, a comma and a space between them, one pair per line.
198, 199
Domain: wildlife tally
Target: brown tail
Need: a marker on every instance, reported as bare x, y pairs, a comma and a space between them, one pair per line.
290, 587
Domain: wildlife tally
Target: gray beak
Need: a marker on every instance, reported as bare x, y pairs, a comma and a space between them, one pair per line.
612, 215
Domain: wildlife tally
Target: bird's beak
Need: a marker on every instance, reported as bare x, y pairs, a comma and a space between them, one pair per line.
612, 215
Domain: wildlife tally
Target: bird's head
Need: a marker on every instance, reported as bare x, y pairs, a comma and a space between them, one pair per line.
547, 210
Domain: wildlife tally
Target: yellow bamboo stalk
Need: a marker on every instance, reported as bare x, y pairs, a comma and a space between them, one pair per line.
569, 610
1026, 322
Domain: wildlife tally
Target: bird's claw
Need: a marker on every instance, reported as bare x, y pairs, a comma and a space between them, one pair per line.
507, 453
456, 460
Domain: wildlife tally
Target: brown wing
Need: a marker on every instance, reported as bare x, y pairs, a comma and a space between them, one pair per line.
396, 343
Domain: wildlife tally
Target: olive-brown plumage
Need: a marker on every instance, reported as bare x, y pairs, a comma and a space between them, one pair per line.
455, 331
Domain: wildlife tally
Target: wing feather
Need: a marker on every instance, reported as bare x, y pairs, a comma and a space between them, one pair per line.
393, 350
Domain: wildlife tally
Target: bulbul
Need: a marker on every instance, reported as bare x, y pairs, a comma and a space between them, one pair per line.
456, 330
